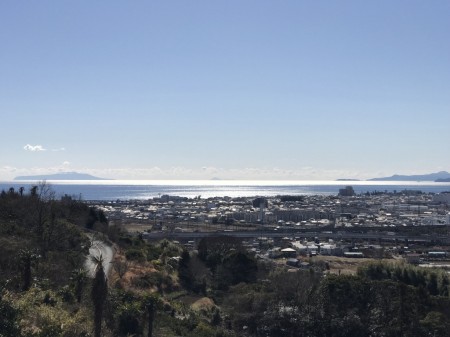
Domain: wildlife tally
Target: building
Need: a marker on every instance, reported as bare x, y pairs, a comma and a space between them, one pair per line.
289, 252
346, 192
292, 262
354, 254
442, 198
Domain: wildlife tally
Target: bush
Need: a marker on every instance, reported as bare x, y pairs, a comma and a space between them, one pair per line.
128, 320
8, 319
133, 254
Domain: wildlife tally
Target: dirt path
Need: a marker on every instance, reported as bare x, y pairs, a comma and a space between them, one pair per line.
99, 248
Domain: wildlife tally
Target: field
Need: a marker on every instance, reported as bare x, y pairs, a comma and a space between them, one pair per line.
344, 265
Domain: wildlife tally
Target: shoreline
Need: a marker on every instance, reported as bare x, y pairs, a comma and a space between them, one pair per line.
144, 190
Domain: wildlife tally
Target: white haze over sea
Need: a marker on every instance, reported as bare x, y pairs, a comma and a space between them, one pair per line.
147, 189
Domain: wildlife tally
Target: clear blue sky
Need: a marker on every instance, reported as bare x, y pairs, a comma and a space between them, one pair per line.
233, 89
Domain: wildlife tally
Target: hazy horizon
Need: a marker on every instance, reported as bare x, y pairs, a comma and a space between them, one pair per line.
231, 182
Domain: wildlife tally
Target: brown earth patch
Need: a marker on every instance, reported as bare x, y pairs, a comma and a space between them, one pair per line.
345, 265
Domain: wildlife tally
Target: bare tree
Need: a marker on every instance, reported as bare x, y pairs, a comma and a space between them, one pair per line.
121, 267
44, 215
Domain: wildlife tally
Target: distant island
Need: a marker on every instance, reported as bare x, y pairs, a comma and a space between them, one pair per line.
442, 176
347, 179
443, 180
61, 176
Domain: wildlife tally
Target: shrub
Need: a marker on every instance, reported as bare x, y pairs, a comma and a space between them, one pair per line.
133, 254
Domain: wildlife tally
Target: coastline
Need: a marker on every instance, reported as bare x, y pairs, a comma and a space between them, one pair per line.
147, 189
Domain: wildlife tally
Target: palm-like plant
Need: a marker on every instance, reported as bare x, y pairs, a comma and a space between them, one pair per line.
99, 293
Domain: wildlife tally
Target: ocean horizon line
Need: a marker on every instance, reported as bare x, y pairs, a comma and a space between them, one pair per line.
227, 182
147, 189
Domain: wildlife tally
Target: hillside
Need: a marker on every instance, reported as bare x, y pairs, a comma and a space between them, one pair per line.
219, 289
43, 288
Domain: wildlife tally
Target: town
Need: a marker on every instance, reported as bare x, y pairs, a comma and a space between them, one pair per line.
405, 224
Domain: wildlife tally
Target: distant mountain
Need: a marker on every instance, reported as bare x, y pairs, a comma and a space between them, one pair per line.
443, 180
422, 177
61, 176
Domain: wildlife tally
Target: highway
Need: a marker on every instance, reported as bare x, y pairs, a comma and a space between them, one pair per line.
292, 234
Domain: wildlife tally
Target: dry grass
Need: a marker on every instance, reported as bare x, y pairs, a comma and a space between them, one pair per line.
134, 270
136, 227
203, 304
344, 265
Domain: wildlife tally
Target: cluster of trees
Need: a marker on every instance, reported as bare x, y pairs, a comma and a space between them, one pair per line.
257, 298
436, 283
220, 263
40, 237
42, 255
150, 299
304, 303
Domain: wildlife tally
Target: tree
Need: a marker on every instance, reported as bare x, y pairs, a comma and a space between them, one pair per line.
79, 279
184, 272
436, 323
444, 286
241, 266
129, 319
151, 302
26, 259
432, 285
9, 317
43, 198
33, 191
193, 273
121, 267
99, 293
96, 217
213, 249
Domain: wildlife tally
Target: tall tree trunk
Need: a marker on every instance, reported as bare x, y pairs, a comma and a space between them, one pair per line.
98, 295
98, 313
151, 318
27, 274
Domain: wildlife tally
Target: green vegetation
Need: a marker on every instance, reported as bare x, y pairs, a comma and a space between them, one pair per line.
42, 245
303, 304
161, 289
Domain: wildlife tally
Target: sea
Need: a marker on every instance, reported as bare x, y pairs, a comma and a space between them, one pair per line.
113, 190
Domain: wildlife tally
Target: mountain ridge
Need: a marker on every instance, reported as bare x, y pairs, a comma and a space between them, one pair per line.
61, 176
418, 177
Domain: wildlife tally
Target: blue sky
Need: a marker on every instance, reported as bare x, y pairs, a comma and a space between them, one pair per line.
230, 89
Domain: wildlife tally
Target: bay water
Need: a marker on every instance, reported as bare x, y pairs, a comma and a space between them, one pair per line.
147, 189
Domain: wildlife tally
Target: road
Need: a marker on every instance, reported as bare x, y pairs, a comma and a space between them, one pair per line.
99, 248
280, 234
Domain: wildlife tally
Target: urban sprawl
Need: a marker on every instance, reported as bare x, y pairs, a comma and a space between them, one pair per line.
403, 224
